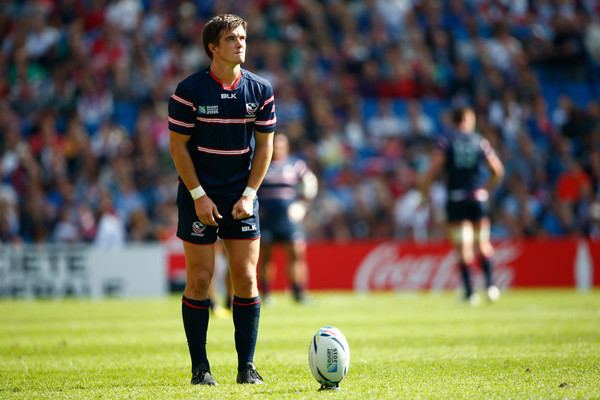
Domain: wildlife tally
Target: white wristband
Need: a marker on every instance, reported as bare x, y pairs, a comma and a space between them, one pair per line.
197, 192
249, 192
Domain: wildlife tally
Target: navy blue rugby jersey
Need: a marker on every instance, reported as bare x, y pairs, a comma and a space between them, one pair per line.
279, 187
221, 121
466, 165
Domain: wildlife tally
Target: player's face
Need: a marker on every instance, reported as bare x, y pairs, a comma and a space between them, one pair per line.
280, 147
469, 121
232, 46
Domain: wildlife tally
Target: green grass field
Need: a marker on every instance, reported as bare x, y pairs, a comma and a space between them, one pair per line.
532, 344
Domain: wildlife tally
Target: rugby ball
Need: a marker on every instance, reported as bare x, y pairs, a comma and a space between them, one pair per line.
329, 356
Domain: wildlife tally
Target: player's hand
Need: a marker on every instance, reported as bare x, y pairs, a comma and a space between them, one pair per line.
297, 211
243, 208
422, 201
207, 211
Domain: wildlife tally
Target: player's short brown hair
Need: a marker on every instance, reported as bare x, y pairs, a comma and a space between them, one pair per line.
216, 26
459, 113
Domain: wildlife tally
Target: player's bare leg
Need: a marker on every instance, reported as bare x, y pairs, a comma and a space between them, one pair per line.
200, 267
266, 271
461, 235
297, 269
243, 259
220, 280
485, 251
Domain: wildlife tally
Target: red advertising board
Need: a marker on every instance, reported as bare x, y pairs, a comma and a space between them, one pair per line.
393, 265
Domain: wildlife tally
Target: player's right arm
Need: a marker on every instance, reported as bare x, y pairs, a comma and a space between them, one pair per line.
182, 124
438, 159
206, 210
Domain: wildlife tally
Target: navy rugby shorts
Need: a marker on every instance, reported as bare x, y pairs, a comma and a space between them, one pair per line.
466, 210
277, 226
190, 229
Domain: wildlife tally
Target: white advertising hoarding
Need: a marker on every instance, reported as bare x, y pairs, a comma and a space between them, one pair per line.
51, 271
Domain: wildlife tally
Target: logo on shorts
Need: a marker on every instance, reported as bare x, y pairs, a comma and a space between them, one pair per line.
249, 228
251, 108
198, 229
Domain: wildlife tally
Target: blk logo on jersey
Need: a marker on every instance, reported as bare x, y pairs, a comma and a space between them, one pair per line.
251, 108
198, 229
228, 95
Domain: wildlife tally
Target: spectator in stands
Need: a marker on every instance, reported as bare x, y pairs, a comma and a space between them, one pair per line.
97, 73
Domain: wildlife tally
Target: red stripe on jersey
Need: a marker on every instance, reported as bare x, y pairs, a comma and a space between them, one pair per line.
224, 152
277, 193
225, 121
183, 101
269, 122
267, 101
180, 123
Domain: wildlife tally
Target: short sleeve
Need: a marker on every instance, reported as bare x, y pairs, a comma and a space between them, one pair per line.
266, 119
442, 145
300, 168
182, 111
486, 147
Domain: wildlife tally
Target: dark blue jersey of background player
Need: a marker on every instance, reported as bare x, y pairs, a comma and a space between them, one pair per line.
466, 165
278, 194
221, 120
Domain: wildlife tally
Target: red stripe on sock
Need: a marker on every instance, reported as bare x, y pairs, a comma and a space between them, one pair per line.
246, 304
193, 306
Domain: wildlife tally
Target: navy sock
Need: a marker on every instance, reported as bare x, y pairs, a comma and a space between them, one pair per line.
486, 266
298, 291
195, 323
465, 273
246, 314
265, 288
227, 301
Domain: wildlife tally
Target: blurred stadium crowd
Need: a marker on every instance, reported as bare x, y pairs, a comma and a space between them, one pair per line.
362, 91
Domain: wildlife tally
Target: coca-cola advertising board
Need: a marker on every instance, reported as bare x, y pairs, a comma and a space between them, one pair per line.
393, 265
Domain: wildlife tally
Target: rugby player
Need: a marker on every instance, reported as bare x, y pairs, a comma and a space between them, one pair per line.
466, 157
221, 121
288, 187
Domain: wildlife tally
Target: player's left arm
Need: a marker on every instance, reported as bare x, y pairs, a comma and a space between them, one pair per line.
310, 186
306, 192
494, 163
263, 151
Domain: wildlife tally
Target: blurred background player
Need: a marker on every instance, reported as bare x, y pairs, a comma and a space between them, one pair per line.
220, 290
288, 187
467, 157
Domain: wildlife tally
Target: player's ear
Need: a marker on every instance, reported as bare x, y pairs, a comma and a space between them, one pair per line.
212, 47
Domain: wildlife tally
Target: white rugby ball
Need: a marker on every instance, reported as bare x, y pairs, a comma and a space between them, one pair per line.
329, 356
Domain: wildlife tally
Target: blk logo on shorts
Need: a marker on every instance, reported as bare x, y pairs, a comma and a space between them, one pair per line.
248, 228
198, 229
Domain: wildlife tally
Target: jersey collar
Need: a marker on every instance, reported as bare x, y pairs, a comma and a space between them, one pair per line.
233, 86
